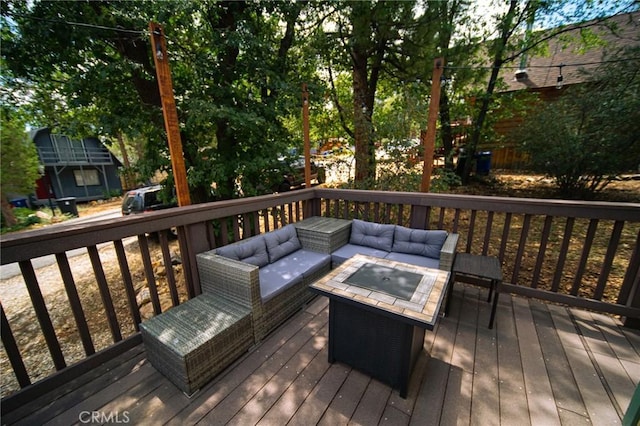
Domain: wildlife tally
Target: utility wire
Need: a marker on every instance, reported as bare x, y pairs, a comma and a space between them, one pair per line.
541, 66
81, 24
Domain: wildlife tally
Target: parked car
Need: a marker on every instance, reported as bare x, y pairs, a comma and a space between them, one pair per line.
144, 200
292, 173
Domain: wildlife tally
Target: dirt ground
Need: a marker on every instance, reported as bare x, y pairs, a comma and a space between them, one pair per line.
25, 326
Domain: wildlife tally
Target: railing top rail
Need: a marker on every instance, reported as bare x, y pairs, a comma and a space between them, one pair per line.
64, 237
68, 236
564, 208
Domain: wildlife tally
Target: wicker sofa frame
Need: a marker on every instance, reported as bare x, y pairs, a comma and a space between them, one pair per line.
240, 282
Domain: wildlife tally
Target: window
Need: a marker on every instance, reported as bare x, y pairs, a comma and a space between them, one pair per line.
86, 177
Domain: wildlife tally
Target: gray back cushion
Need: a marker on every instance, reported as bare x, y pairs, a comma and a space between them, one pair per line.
418, 241
371, 234
282, 242
253, 251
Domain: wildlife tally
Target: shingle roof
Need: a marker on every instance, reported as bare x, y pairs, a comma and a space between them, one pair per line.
543, 71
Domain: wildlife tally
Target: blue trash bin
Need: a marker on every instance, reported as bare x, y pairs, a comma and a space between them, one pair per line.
19, 202
483, 163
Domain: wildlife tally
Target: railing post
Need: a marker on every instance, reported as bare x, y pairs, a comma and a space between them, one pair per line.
419, 217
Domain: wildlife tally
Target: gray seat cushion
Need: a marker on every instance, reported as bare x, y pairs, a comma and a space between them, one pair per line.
414, 259
289, 270
374, 235
274, 279
282, 242
349, 250
253, 251
418, 241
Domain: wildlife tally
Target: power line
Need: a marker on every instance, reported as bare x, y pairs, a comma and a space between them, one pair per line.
81, 24
561, 65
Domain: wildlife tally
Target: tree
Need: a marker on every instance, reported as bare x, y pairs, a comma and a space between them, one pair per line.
591, 134
19, 165
375, 40
231, 67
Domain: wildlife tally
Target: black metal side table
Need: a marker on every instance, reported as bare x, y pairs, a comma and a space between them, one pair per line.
477, 266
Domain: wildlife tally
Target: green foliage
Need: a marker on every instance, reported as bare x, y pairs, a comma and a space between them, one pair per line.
19, 158
590, 135
24, 219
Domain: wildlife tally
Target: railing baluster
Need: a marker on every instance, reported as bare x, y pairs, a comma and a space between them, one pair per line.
631, 280
441, 218
74, 302
521, 246
105, 295
42, 314
564, 248
487, 234
586, 249
168, 267
400, 214
125, 272
456, 221
236, 228
608, 259
148, 272
472, 225
544, 239
13, 353
505, 236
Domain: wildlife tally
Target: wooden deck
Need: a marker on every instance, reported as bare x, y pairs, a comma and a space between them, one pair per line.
540, 365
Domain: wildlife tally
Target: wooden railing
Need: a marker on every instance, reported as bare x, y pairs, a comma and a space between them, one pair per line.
577, 253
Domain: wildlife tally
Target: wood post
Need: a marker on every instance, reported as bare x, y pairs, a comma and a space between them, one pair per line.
169, 112
305, 134
429, 137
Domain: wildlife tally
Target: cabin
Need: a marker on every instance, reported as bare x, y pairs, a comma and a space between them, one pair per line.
549, 75
82, 169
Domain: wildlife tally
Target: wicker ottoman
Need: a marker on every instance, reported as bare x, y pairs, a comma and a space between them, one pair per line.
193, 342
323, 234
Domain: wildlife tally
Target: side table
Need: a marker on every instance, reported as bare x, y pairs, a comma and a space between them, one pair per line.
477, 266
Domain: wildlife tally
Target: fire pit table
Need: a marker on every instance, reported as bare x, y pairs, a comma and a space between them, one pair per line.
378, 313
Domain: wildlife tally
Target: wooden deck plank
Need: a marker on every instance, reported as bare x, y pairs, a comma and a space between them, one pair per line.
318, 400
551, 364
436, 369
429, 400
596, 400
262, 376
618, 339
374, 401
619, 384
564, 388
221, 388
49, 406
542, 408
457, 403
102, 396
513, 397
485, 410
308, 374
346, 401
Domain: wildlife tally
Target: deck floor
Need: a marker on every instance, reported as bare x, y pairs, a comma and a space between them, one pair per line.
541, 365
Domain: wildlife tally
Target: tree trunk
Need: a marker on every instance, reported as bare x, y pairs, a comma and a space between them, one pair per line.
362, 127
498, 60
7, 213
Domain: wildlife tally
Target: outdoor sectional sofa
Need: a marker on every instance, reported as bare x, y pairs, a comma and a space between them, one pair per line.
252, 286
